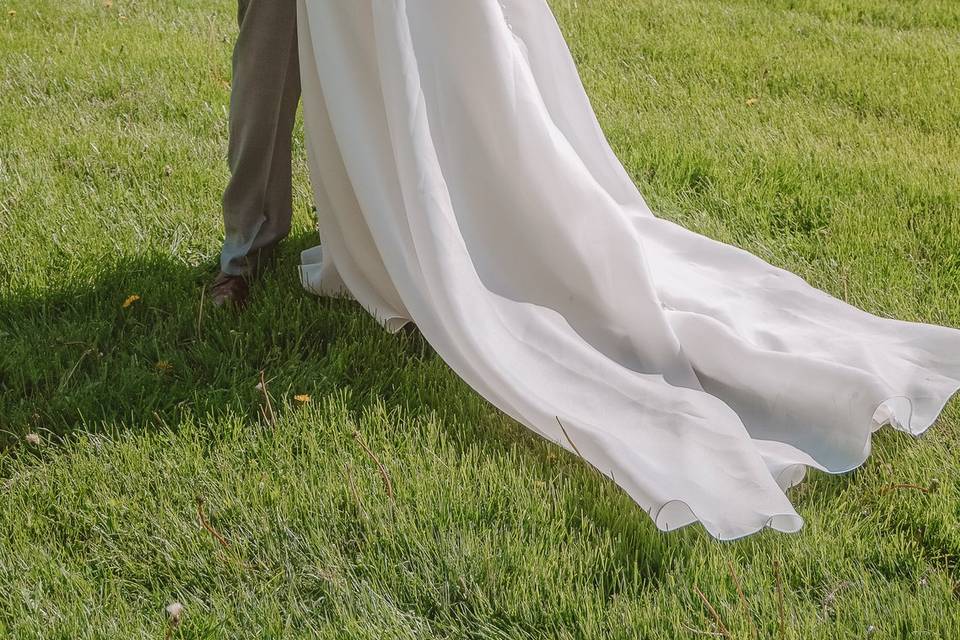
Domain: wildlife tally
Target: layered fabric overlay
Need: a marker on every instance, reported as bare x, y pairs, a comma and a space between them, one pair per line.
462, 182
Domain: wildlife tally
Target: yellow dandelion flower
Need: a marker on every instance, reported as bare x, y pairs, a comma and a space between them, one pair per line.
303, 398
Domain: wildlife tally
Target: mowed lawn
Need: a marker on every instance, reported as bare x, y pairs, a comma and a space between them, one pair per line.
139, 465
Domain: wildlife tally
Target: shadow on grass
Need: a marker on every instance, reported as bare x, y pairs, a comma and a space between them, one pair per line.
77, 357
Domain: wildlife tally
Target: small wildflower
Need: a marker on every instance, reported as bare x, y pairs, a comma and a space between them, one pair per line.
130, 300
33, 438
174, 613
303, 398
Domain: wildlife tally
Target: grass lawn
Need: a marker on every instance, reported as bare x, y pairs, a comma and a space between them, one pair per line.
823, 135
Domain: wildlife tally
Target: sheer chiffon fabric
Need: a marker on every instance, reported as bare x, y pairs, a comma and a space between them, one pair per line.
462, 182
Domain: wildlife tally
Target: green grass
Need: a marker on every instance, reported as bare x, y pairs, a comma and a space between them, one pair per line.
846, 170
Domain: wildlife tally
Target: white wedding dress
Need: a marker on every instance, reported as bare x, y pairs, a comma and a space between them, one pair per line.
462, 182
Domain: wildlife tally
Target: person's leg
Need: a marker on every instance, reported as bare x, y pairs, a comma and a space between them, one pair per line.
257, 203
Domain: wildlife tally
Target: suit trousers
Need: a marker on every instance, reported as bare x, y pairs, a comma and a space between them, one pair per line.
257, 203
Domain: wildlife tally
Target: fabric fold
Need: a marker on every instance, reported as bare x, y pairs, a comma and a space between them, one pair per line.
463, 183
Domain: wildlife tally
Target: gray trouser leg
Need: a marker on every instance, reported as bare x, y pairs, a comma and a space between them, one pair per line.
257, 203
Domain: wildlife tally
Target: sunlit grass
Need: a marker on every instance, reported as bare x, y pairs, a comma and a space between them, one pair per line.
822, 135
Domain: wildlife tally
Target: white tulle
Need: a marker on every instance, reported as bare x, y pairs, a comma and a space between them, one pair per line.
462, 182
